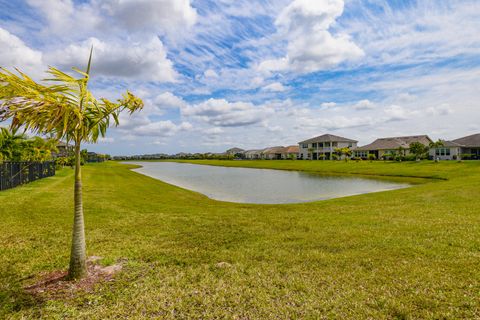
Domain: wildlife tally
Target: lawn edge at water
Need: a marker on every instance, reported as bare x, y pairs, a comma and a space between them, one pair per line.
414, 179
408, 181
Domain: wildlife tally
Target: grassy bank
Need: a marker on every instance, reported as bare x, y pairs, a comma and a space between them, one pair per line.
410, 253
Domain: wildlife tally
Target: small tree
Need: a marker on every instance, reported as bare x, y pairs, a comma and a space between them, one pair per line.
343, 152
418, 149
371, 157
347, 153
68, 110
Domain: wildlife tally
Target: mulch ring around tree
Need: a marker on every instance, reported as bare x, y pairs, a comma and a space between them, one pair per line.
54, 285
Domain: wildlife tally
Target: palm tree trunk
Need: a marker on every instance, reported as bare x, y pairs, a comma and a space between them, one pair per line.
78, 266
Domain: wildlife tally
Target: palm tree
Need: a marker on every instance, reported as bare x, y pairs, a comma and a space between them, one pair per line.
12, 144
65, 108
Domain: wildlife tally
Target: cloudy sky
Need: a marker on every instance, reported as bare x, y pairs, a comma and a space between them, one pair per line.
255, 73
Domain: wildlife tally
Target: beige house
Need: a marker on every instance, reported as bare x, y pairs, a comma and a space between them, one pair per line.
323, 147
234, 151
253, 154
386, 147
292, 152
274, 153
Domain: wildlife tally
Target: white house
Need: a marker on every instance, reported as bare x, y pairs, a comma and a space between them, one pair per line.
462, 148
323, 147
449, 151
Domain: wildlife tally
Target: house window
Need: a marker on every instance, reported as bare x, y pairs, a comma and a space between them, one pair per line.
442, 152
320, 145
314, 145
361, 154
304, 145
334, 144
350, 144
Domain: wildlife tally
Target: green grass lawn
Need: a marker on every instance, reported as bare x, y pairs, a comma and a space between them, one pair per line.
404, 254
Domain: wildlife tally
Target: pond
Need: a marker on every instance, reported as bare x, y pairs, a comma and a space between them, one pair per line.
265, 186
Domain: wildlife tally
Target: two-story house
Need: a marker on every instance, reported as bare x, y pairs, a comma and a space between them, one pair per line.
323, 147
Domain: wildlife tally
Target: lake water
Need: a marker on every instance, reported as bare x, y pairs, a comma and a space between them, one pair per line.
265, 186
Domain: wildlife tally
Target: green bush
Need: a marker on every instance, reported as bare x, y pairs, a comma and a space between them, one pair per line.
410, 157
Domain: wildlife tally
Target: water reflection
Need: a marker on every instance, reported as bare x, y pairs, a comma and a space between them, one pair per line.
265, 186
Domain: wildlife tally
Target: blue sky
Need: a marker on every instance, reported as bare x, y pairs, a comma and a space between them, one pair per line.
224, 73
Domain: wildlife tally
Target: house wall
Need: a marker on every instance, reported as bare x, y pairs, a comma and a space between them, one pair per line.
381, 153
252, 156
454, 153
287, 155
326, 150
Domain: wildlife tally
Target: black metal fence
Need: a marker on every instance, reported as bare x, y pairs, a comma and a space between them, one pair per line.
13, 174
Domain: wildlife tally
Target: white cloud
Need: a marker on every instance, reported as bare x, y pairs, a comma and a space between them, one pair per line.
221, 113
364, 105
165, 17
440, 110
275, 87
210, 74
147, 60
16, 54
312, 47
419, 32
64, 17
157, 15
328, 104
169, 100
161, 129
214, 131
399, 113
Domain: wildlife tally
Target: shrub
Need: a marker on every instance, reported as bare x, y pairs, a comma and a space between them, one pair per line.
410, 157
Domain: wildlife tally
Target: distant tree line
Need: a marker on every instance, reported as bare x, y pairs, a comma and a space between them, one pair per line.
184, 156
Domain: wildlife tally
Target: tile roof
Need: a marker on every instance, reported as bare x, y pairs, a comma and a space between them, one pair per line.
395, 143
234, 150
450, 144
469, 141
274, 150
292, 149
328, 138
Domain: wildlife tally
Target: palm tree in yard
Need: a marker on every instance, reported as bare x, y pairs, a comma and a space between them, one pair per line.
63, 106
11, 145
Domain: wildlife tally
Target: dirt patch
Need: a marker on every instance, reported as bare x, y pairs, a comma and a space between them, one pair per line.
54, 285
